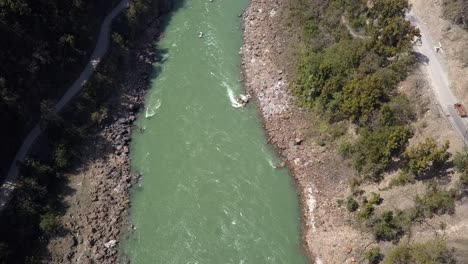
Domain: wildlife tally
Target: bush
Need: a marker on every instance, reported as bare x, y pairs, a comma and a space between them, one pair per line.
403, 178
373, 255
375, 199
345, 149
396, 112
426, 156
373, 152
391, 226
97, 116
434, 251
461, 161
386, 228
435, 201
351, 204
354, 184
37, 170
461, 165
62, 156
337, 130
400, 254
367, 211
463, 182
49, 223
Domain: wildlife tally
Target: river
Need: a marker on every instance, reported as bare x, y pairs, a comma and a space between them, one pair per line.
210, 192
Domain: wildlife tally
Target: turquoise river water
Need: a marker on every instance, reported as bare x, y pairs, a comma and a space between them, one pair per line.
209, 193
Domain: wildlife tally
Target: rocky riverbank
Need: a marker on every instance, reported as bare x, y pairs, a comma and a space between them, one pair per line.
97, 196
320, 174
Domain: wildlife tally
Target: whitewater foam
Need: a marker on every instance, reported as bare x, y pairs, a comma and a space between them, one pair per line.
152, 109
231, 96
271, 163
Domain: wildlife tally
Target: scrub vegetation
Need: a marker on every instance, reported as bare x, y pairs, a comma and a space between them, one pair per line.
354, 54
430, 252
456, 10
46, 44
346, 78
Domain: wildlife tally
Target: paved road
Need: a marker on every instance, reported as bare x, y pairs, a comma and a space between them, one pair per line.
437, 74
100, 50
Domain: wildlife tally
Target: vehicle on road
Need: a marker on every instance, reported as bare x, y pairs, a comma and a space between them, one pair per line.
461, 111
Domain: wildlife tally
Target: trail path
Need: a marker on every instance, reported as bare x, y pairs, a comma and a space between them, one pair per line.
353, 33
436, 70
102, 45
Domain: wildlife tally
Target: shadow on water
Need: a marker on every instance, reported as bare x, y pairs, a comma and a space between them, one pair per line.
163, 22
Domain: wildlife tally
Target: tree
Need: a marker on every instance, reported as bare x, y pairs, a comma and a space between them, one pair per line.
395, 37
388, 8
391, 32
426, 156
374, 151
362, 97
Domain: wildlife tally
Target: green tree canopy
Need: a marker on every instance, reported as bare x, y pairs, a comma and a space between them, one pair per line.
426, 156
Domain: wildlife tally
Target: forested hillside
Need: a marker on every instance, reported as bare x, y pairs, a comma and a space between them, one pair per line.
43, 46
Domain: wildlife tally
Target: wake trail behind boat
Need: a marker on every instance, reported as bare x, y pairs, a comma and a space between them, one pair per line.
152, 109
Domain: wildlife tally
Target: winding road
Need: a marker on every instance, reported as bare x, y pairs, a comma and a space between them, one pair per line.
102, 45
436, 70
